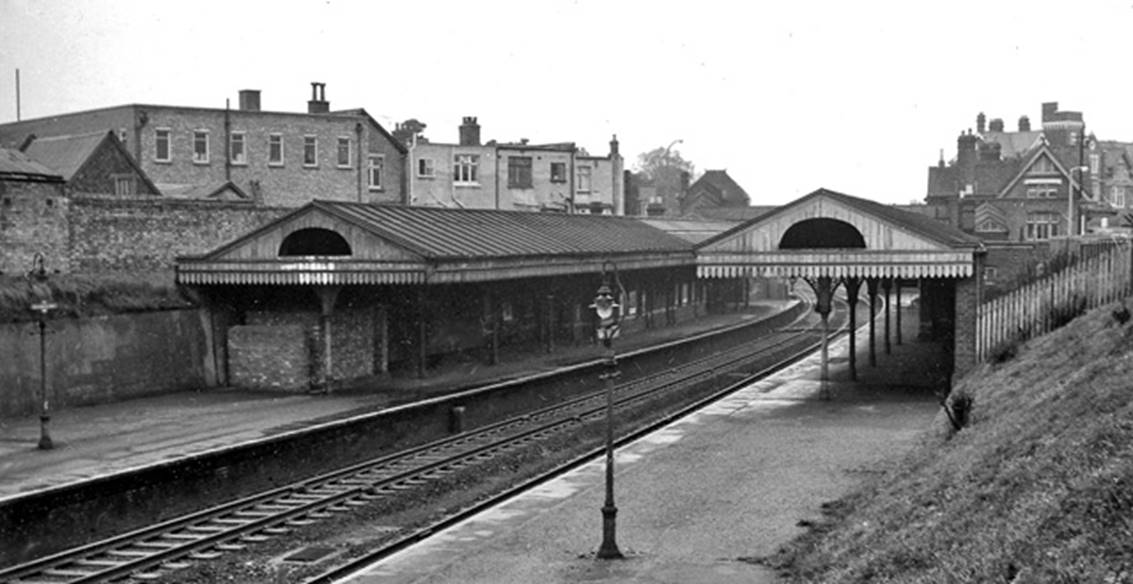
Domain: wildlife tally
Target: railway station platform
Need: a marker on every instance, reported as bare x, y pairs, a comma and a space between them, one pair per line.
94, 441
701, 499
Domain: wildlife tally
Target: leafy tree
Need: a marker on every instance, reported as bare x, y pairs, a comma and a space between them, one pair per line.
662, 161
405, 131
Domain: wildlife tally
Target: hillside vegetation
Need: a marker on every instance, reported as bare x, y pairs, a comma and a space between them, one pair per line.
1038, 487
89, 294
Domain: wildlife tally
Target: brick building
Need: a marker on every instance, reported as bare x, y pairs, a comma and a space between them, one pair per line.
514, 176
714, 189
1019, 191
93, 164
275, 158
1030, 185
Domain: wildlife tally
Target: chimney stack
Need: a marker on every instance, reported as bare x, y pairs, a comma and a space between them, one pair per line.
1025, 123
318, 103
250, 100
966, 149
469, 132
1049, 109
614, 146
995, 125
981, 119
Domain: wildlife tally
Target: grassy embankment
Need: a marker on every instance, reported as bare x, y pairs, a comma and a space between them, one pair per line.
81, 295
1038, 487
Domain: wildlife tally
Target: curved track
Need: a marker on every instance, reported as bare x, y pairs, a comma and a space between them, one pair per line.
146, 553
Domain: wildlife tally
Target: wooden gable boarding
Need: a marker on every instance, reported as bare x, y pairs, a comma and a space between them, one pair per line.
255, 259
893, 248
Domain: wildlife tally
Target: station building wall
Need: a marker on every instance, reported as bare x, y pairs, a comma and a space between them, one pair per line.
104, 359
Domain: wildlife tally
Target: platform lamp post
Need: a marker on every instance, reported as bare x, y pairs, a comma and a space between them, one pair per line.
37, 278
608, 311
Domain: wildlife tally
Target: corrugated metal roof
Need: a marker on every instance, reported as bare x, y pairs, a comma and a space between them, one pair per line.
14, 162
66, 154
438, 233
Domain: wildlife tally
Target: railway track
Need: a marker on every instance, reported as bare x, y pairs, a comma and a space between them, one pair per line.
146, 554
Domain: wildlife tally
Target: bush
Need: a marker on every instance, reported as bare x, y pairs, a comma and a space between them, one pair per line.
89, 294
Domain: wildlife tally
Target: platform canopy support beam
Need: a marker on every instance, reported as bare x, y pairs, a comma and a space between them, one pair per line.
852, 286
327, 297
824, 289
871, 288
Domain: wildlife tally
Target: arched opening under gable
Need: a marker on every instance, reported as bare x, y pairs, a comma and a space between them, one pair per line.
314, 241
822, 233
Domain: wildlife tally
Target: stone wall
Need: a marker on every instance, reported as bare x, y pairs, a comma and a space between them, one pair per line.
147, 234
33, 218
254, 360
269, 356
105, 359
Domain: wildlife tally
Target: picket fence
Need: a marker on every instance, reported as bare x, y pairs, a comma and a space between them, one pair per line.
1101, 274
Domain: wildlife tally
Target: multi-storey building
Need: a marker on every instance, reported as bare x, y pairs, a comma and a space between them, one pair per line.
517, 176
1028, 185
275, 158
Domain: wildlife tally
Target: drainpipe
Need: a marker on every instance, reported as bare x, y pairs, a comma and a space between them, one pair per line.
496, 174
361, 185
228, 144
570, 179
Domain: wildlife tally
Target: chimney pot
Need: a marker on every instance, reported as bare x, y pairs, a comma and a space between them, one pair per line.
250, 100
318, 103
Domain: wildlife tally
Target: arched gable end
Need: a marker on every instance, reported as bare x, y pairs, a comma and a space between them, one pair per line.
822, 233
314, 241
807, 216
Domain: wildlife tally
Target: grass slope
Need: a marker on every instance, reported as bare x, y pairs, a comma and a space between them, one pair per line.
1037, 488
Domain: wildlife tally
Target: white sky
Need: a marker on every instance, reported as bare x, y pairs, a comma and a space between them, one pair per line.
856, 96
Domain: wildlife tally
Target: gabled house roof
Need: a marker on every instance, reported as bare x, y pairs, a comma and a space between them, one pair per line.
1039, 152
66, 154
71, 153
15, 165
1014, 143
725, 190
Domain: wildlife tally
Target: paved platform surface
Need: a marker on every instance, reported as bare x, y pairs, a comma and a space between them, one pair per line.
698, 499
99, 440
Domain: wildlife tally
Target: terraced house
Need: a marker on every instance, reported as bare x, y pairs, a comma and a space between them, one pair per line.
558, 177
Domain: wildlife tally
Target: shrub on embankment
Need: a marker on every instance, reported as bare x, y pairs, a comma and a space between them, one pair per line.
88, 294
1037, 487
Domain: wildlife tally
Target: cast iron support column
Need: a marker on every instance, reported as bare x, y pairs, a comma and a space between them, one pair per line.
852, 286
871, 287
422, 334
382, 318
327, 297
897, 286
824, 290
887, 284
549, 325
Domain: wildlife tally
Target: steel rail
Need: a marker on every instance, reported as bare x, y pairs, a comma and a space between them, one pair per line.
203, 535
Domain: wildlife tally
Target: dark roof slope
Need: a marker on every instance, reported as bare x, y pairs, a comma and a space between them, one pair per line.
65, 154
479, 233
915, 222
718, 181
18, 166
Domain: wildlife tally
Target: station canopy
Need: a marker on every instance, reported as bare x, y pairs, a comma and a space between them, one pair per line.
335, 243
835, 235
